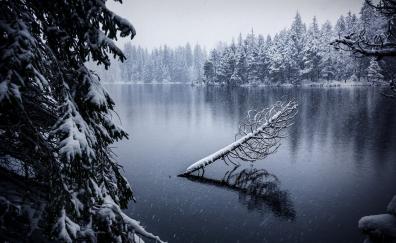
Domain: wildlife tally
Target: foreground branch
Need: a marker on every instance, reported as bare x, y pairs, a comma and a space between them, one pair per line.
363, 48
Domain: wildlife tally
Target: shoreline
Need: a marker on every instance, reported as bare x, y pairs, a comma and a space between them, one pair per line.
331, 84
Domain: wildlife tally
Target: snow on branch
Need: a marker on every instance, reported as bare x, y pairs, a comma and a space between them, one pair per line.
123, 25
76, 135
110, 214
259, 135
364, 48
380, 45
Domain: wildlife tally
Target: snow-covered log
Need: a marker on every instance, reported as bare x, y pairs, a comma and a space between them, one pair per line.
381, 224
392, 206
259, 135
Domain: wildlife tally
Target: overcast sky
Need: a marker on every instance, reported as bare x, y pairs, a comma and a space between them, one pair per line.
176, 22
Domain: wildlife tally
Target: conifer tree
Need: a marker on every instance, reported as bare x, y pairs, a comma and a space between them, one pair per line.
56, 119
374, 72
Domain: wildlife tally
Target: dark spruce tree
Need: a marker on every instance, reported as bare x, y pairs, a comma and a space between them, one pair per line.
58, 179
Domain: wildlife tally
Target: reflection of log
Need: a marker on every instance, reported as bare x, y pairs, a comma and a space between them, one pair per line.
259, 135
257, 189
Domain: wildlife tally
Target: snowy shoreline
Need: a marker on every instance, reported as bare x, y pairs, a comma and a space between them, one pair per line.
331, 84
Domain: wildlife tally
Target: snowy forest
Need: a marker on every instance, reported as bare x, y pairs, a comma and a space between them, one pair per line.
85, 153
182, 64
299, 54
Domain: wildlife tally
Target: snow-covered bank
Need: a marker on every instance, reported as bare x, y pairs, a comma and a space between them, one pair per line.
341, 84
320, 84
330, 84
141, 83
381, 227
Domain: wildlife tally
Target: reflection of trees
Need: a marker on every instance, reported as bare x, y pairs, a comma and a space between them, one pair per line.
258, 190
358, 120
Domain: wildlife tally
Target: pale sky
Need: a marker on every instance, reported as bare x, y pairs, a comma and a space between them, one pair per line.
176, 22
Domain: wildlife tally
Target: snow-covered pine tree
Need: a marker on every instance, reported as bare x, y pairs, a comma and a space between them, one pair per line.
263, 58
209, 72
198, 63
377, 37
277, 63
311, 56
56, 123
255, 63
296, 35
374, 71
240, 73
148, 70
295, 53
327, 53
127, 73
215, 58
226, 66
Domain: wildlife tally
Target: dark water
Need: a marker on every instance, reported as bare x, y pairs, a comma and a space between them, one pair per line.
337, 164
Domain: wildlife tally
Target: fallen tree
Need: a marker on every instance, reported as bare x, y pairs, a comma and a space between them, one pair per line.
259, 135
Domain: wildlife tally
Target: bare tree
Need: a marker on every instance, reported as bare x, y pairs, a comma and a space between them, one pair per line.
259, 135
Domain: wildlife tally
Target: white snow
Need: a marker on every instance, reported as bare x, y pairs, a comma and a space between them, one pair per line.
103, 40
78, 206
96, 95
392, 206
79, 139
3, 90
382, 224
68, 231
109, 210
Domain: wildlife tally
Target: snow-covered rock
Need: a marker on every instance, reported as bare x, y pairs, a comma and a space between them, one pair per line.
392, 206
379, 225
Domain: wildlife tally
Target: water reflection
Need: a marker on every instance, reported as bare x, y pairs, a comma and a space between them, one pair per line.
257, 190
337, 163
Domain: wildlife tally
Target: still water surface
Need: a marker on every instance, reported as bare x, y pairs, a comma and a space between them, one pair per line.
337, 164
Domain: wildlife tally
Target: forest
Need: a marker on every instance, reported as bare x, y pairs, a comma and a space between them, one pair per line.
300, 54
82, 159
182, 64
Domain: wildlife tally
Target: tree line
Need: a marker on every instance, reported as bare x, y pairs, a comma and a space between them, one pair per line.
182, 64
300, 54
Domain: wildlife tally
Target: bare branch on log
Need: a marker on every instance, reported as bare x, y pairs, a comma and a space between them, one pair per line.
258, 136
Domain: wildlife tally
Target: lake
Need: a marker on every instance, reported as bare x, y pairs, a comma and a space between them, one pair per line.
337, 164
